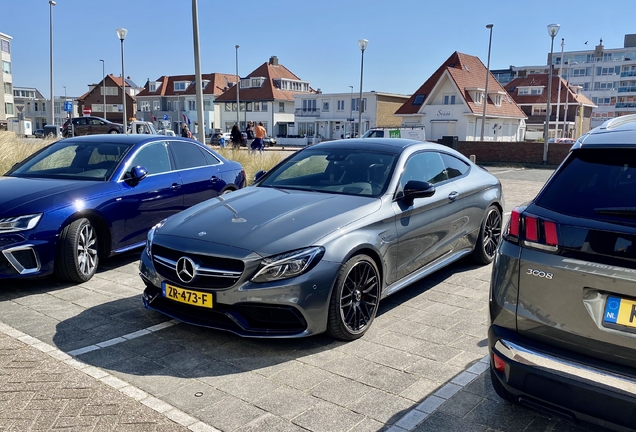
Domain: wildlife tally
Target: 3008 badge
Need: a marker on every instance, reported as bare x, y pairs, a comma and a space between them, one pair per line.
539, 273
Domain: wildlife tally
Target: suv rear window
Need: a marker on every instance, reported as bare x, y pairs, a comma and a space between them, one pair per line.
597, 184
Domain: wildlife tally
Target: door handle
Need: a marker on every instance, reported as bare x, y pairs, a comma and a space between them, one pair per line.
453, 195
175, 186
214, 179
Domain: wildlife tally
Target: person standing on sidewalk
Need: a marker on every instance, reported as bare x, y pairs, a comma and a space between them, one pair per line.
260, 133
249, 131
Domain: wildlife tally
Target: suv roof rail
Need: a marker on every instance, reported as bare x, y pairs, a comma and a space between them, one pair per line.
618, 121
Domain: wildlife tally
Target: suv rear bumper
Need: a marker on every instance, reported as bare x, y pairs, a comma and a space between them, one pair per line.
549, 380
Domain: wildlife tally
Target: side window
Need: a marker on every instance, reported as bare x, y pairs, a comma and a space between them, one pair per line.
425, 166
153, 157
187, 155
454, 166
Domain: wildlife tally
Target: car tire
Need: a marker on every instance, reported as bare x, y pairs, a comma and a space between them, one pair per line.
354, 299
500, 389
489, 237
77, 254
113, 131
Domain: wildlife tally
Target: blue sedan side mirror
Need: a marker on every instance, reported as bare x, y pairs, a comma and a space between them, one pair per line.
259, 174
138, 173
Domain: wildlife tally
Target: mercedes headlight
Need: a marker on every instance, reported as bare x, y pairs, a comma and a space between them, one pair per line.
151, 237
288, 265
19, 223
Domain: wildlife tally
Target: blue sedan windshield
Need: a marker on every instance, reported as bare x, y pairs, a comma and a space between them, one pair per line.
75, 160
332, 170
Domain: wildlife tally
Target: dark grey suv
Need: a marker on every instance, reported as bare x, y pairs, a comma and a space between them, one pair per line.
562, 336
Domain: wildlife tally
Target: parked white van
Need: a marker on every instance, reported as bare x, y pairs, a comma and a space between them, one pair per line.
417, 133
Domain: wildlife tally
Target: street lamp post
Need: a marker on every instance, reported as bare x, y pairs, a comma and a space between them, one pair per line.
52, 113
238, 86
351, 114
362, 43
103, 86
553, 29
121, 34
485, 100
556, 132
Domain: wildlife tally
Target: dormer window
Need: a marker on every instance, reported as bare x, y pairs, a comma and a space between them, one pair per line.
181, 85
479, 96
152, 87
498, 100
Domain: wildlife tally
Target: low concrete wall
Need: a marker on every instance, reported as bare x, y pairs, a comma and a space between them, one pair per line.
513, 152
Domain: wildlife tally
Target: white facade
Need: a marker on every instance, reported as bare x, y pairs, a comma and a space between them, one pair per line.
446, 113
269, 113
7, 108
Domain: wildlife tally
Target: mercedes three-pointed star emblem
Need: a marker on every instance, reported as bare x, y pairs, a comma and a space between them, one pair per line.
186, 270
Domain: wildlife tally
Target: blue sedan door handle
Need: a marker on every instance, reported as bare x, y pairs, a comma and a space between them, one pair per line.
175, 186
453, 195
214, 179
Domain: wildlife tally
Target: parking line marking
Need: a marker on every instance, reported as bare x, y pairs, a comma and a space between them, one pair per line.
124, 338
510, 170
159, 406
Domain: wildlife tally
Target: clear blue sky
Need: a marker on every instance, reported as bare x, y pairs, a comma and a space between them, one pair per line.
408, 39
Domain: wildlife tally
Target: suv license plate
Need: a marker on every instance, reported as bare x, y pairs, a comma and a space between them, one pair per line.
620, 311
190, 297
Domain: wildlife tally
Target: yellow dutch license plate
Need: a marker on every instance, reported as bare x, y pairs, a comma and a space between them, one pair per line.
194, 298
620, 311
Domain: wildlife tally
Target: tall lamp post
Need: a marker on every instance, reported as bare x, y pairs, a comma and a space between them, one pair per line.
362, 43
485, 101
121, 34
103, 86
553, 29
52, 114
556, 132
351, 113
238, 86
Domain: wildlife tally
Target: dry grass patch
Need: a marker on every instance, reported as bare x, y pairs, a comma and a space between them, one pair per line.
14, 149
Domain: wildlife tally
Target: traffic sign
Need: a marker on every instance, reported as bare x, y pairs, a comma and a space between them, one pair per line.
68, 106
165, 117
86, 111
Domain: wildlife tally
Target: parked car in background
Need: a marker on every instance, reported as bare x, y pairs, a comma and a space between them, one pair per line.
566, 140
562, 337
214, 140
320, 239
82, 199
52, 131
38, 133
90, 125
166, 132
269, 141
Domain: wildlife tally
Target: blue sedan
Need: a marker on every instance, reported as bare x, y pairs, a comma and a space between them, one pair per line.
83, 199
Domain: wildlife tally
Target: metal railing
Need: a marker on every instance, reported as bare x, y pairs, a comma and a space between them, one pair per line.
631, 73
307, 112
631, 89
625, 105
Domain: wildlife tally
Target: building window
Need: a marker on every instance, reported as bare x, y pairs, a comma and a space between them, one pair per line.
144, 106
180, 85
192, 105
419, 99
152, 87
325, 106
478, 97
8, 108
248, 106
5, 46
264, 107
309, 105
257, 106
207, 105
281, 106
356, 103
498, 100
613, 70
7, 88
603, 85
341, 105
256, 83
449, 99
307, 129
110, 91
536, 90
156, 105
6, 67
538, 110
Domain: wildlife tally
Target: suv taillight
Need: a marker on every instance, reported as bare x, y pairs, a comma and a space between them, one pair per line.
532, 231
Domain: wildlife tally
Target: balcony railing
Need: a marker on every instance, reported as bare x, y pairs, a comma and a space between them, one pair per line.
631, 73
307, 112
631, 89
625, 105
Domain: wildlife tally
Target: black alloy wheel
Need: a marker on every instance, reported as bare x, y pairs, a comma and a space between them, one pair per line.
355, 298
489, 236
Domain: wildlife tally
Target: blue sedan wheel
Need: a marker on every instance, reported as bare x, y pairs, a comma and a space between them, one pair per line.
354, 300
77, 258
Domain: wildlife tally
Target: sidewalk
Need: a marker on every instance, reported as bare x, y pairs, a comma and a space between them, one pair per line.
42, 388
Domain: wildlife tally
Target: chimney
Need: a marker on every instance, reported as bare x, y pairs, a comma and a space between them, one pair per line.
273, 60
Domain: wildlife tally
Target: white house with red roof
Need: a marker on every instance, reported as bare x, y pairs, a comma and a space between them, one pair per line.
450, 103
265, 95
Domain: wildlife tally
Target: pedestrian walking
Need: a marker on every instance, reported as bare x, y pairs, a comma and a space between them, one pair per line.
235, 137
249, 131
185, 132
259, 133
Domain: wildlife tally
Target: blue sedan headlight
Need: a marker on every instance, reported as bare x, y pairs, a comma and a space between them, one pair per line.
288, 265
19, 223
151, 236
